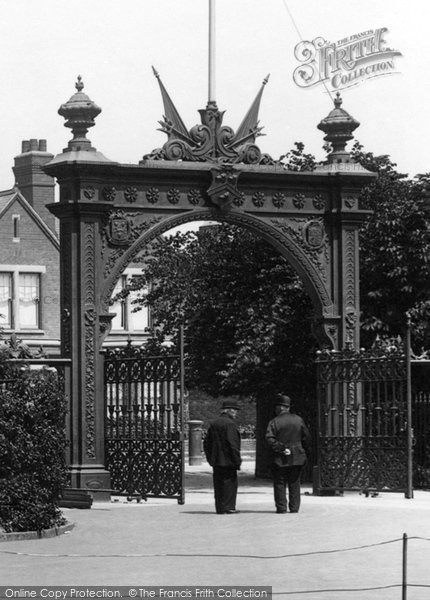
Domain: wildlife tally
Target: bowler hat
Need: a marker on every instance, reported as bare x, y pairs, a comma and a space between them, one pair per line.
282, 400
230, 404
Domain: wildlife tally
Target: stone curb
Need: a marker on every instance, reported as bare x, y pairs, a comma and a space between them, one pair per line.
35, 535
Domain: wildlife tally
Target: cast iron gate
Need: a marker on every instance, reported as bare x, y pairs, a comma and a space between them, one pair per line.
362, 417
143, 431
420, 372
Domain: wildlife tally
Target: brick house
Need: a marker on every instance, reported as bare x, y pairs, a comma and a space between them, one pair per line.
29, 251
29, 261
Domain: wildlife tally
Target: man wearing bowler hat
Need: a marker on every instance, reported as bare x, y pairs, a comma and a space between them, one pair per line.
288, 438
222, 450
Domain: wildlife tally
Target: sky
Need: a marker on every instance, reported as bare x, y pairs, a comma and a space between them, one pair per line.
112, 44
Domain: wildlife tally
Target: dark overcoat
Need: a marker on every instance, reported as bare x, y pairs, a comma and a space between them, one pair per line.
222, 443
288, 431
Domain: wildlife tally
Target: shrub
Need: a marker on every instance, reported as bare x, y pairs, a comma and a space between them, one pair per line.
32, 451
205, 407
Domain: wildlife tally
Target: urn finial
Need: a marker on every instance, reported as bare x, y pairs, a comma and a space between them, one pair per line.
79, 112
338, 127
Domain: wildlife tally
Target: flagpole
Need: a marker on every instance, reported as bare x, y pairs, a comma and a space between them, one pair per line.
211, 86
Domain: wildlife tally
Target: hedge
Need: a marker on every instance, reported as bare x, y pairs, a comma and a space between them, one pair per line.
32, 450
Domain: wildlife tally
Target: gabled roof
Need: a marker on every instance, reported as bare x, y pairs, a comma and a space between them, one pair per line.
5, 199
8, 197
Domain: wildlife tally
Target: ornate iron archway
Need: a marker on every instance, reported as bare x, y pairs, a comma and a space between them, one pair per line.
109, 211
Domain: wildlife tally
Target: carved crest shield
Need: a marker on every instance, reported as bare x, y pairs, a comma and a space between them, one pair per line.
223, 191
119, 230
314, 234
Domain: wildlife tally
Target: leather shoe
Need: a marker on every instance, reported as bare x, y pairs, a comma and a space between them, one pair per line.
281, 512
232, 511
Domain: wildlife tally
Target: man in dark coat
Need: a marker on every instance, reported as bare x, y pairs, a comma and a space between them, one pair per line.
222, 450
288, 438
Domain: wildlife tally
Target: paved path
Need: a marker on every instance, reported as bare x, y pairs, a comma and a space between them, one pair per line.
162, 543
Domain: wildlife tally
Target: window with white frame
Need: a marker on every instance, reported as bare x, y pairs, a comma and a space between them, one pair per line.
6, 299
125, 319
20, 297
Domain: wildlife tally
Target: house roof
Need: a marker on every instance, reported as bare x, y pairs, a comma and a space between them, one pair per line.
5, 199
8, 197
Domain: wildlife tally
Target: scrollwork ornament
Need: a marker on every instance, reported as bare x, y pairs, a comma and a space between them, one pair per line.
350, 324
194, 196
266, 159
176, 150
152, 195
109, 193
210, 141
279, 200
318, 202
350, 202
89, 192
249, 154
173, 195
258, 199
299, 200
130, 194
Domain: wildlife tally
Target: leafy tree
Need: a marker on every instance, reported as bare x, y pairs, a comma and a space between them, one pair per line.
394, 252
247, 329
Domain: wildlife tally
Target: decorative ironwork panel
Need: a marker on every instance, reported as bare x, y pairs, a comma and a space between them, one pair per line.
362, 420
143, 432
363, 463
421, 423
145, 467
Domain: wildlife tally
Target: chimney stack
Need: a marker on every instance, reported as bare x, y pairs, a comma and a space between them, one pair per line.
36, 186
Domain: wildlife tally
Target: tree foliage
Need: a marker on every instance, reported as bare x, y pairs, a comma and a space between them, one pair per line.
32, 450
245, 310
394, 252
297, 159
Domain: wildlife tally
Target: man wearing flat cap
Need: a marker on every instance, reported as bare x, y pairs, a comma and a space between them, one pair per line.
222, 450
289, 439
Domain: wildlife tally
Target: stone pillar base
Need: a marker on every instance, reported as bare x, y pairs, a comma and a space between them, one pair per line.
92, 478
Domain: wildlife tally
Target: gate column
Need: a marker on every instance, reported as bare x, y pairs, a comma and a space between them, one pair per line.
81, 222
345, 220
80, 330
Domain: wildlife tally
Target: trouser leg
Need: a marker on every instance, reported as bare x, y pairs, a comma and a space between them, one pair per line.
217, 480
225, 488
279, 488
293, 481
